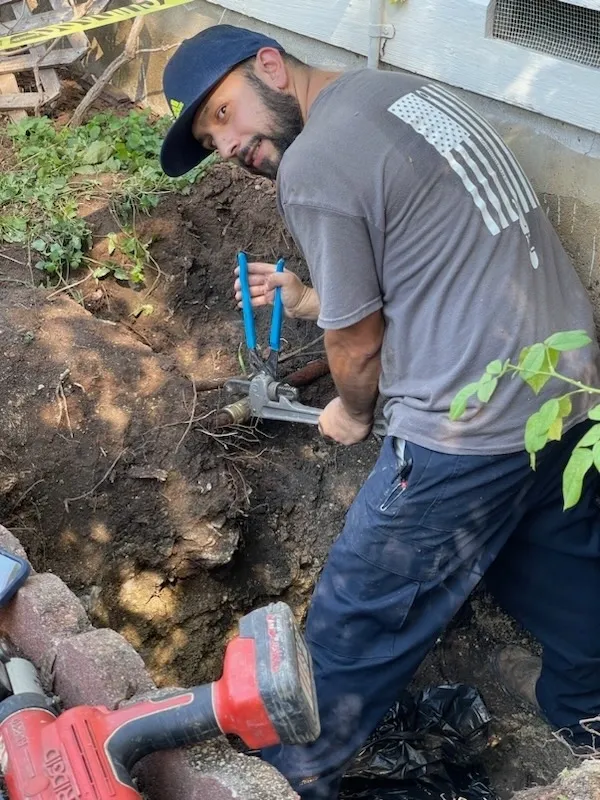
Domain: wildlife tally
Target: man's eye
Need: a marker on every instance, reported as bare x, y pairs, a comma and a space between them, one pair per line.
221, 112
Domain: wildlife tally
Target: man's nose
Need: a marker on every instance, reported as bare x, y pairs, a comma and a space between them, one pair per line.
227, 146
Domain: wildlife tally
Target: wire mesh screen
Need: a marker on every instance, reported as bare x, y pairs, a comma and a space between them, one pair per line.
550, 26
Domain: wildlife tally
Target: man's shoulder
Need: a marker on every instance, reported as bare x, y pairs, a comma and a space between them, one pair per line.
312, 173
347, 121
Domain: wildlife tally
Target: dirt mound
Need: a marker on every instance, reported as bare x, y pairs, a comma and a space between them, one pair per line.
111, 474
113, 477
580, 784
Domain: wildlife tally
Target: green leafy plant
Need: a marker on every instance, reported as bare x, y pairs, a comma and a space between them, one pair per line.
13, 229
134, 252
58, 168
60, 245
536, 365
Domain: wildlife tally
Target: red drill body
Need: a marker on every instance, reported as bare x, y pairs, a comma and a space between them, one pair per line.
266, 695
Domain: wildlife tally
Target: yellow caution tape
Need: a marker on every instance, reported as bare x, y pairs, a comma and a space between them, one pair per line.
48, 32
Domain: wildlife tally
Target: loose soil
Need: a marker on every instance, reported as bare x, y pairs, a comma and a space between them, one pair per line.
113, 476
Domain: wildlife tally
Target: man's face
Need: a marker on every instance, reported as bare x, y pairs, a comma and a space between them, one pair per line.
248, 122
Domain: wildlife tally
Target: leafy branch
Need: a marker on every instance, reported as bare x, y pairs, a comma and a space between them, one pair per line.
536, 366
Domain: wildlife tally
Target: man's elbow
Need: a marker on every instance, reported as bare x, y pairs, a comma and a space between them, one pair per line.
359, 351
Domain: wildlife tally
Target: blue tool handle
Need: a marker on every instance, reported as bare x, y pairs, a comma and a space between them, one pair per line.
247, 314
277, 319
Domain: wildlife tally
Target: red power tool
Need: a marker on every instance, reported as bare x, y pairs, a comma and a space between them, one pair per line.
265, 696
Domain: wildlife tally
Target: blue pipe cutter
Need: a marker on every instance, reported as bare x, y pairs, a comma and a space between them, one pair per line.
257, 362
267, 397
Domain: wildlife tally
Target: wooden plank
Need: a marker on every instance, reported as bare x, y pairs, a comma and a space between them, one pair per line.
11, 100
8, 82
48, 77
8, 86
15, 102
39, 21
54, 58
38, 57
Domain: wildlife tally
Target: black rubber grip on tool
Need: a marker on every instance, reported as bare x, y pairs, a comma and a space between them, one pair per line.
163, 730
20, 702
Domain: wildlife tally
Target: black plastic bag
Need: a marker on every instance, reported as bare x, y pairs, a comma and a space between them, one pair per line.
468, 785
424, 749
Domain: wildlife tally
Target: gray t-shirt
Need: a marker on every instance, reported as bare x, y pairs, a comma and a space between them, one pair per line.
402, 198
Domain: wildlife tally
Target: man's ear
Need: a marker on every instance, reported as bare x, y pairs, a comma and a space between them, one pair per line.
270, 66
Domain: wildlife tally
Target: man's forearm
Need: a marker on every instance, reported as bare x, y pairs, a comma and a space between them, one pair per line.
356, 376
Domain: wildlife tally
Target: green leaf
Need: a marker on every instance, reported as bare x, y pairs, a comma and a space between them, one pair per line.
568, 340
112, 243
86, 169
552, 355
101, 272
494, 367
487, 389
523, 355
145, 309
538, 381
120, 274
39, 245
589, 437
596, 455
547, 413
578, 465
594, 413
459, 403
96, 153
536, 434
533, 361
555, 431
566, 405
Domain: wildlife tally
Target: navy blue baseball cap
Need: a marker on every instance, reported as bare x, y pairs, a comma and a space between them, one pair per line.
192, 73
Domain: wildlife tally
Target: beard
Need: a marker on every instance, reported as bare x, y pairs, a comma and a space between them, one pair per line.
286, 124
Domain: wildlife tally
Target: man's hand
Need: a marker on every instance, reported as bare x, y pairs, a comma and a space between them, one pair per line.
299, 301
336, 423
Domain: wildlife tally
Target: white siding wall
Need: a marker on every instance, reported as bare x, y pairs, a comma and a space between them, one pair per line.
446, 40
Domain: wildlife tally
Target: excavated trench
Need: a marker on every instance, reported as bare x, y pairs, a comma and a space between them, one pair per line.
113, 475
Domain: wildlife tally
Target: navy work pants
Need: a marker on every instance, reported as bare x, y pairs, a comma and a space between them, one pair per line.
412, 550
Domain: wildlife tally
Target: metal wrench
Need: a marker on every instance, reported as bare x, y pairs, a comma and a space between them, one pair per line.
271, 399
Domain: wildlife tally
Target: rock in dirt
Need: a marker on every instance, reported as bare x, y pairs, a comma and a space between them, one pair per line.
8, 481
206, 537
148, 473
582, 783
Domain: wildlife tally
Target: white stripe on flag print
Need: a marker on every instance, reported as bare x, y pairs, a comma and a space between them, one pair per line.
506, 203
447, 136
494, 137
513, 176
506, 177
463, 115
483, 180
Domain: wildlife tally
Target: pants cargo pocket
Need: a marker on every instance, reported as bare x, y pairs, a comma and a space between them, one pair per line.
358, 607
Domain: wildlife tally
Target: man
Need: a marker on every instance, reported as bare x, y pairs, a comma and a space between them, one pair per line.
429, 256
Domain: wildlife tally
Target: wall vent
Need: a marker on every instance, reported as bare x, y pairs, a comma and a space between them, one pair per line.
561, 29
